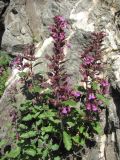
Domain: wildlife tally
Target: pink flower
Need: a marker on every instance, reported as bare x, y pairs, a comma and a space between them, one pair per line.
91, 96
88, 60
66, 110
91, 106
94, 107
62, 36
76, 94
88, 106
104, 83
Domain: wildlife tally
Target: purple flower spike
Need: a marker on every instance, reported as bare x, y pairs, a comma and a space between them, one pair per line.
91, 96
59, 20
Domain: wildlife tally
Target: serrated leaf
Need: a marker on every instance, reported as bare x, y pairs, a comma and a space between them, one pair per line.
54, 120
27, 118
47, 129
30, 152
36, 115
28, 134
55, 147
14, 153
23, 126
48, 114
67, 141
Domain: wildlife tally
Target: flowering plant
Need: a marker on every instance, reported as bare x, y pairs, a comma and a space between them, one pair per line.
56, 120
92, 70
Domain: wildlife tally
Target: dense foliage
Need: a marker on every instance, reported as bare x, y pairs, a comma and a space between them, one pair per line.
57, 121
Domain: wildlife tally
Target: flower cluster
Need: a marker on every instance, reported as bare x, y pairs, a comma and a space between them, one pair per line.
28, 54
17, 62
58, 76
91, 69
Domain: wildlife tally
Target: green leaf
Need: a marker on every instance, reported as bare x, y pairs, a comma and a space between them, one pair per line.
22, 126
81, 112
2, 143
55, 147
28, 134
39, 151
27, 118
104, 99
36, 89
71, 124
86, 135
25, 106
31, 152
45, 153
67, 140
14, 153
57, 158
76, 139
81, 129
38, 123
36, 115
95, 86
97, 127
47, 129
56, 121
71, 103
82, 142
47, 114
46, 136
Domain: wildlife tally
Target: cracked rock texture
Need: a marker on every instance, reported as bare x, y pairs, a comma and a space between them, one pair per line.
21, 21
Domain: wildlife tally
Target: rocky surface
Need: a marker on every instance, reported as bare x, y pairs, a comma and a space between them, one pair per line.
3, 6
28, 20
